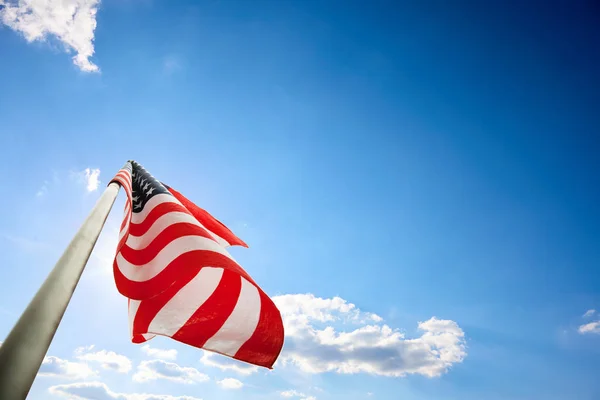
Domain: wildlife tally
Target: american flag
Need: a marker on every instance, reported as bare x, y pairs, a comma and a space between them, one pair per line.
173, 266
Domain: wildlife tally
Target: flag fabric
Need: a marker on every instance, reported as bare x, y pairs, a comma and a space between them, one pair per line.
173, 266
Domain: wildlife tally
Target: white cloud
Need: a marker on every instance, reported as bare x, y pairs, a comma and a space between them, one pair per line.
230, 383
72, 22
107, 359
57, 367
99, 391
296, 394
592, 327
323, 310
170, 354
291, 393
589, 313
371, 348
88, 177
43, 190
158, 369
91, 179
227, 364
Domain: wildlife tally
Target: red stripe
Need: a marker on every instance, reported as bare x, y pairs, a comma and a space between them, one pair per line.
123, 174
124, 180
138, 339
127, 191
266, 342
192, 260
123, 240
210, 222
210, 317
166, 236
138, 229
123, 224
125, 219
148, 309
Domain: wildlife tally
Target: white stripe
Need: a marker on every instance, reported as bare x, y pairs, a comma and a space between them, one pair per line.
133, 307
125, 228
127, 208
127, 213
138, 218
124, 174
162, 223
127, 192
184, 304
123, 232
167, 254
218, 238
240, 325
125, 188
125, 180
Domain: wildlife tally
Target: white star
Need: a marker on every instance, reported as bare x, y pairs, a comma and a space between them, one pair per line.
146, 185
149, 192
137, 206
135, 198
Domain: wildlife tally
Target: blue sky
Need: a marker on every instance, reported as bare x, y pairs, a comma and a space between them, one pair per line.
414, 159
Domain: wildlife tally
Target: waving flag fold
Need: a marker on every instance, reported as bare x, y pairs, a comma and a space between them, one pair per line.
173, 266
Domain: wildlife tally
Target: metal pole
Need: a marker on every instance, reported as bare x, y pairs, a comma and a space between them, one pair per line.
24, 349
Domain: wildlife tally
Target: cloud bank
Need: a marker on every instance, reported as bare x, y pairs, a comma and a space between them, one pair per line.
107, 359
230, 383
589, 313
590, 327
99, 391
72, 22
90, 177
372, 347
290, 394
170, 354
59, 368
227, 364
159, 369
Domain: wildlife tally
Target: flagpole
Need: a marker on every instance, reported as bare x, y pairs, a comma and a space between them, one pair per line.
24, 349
